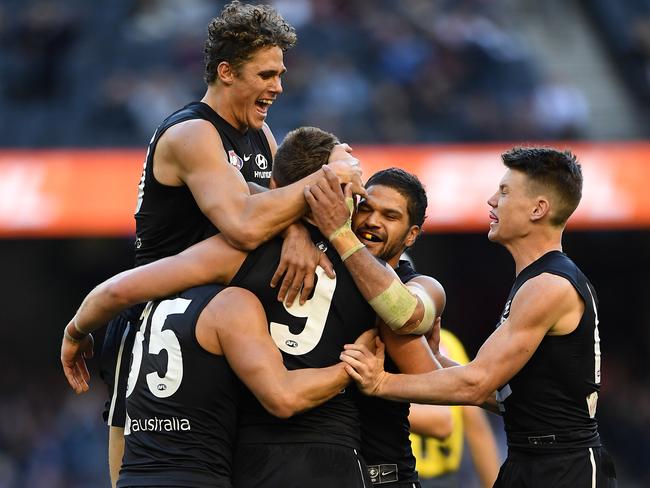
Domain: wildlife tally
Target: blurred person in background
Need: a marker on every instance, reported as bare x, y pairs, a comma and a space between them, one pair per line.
206, 171
543, 360
439, 456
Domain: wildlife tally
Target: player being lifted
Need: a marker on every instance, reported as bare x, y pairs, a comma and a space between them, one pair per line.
309, 335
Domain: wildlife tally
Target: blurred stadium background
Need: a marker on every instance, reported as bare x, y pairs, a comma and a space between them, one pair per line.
438, 87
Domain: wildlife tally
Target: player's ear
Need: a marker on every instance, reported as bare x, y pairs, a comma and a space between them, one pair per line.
225, 73
412, 235
542, 207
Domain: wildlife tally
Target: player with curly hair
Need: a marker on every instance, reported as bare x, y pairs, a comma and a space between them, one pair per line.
206, 171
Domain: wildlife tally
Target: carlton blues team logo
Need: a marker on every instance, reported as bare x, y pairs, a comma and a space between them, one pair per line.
234, 159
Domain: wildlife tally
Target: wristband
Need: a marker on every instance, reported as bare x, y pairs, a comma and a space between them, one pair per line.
70, 337
343, 239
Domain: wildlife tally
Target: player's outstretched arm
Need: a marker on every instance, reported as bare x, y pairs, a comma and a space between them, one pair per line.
210, 261
192, 153
407, 309
243, 337
504, 353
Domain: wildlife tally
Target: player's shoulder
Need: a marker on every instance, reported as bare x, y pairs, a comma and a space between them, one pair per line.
545, 295
190, 131
546, 283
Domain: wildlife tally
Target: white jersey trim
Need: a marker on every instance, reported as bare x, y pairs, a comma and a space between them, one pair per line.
116, 381
593, 468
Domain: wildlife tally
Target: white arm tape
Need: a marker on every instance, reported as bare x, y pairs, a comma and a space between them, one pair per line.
426, 324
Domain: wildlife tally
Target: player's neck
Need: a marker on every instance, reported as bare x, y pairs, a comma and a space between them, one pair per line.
529, 249
394, 261
219, 101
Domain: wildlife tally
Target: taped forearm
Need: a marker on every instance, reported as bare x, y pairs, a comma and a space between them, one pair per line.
397, 304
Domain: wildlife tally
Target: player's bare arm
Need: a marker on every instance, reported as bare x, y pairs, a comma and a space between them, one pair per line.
211, 261
503, 354
405, 308
431, 420
192, 153
234, 324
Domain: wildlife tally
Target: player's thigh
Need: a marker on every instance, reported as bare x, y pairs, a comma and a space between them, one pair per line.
298, 466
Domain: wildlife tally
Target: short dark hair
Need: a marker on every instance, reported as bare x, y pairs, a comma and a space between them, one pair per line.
239, 31
409, 186
303, 151
558, 170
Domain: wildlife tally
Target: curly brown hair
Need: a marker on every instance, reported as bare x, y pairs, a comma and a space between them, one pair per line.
239, 31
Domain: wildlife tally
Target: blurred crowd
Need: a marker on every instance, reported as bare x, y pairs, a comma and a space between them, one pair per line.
49, 440
368, 70
78, 73
625, 28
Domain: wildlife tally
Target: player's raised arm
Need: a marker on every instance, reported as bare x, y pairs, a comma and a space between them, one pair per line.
406, 309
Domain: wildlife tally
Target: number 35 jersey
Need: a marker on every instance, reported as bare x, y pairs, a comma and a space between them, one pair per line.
181, 400
309, 336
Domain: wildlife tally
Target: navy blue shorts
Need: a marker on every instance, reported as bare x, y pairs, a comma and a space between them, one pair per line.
585, 468
298, 466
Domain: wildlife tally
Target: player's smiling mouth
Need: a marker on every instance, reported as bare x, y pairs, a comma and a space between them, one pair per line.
368, 236
263, 104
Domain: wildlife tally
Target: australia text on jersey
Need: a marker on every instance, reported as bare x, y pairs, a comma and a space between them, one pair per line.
160, 425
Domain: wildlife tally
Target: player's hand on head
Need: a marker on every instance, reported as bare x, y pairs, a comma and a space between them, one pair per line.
365, 367
73, 359
297, 267
330, 207
348, 170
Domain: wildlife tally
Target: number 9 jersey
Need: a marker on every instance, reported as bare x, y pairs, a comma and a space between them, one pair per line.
309, 336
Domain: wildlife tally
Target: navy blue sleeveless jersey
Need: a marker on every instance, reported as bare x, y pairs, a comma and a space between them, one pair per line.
309, 336
181, 401
551, 402
385, 427
168, 220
